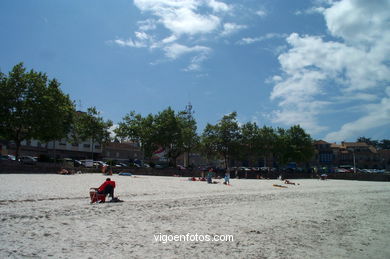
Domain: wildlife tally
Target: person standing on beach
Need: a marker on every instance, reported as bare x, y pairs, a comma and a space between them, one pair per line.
210, 176
227, 176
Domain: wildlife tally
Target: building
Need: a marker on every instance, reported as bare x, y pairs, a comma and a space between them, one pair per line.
122, 152
359, 154
324, 154
55, 149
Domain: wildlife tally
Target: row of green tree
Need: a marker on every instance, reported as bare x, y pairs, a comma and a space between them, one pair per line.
176, 133
34, 107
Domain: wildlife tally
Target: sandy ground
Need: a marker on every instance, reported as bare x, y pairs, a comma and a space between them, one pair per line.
45, 216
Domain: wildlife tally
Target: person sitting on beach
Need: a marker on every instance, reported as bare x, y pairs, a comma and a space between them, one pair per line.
107, 188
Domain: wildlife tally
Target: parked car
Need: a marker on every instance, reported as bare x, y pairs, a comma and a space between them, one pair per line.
8, 157
180, 167
28, 160
121, 165
87, 163
341, 170
99, 163
77, 163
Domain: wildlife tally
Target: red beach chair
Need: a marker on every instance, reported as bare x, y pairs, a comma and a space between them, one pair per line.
95, 196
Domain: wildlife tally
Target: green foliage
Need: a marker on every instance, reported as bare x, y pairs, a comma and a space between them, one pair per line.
293, 145
223, 139
228, 140
175, 133
33, 107
90, 125
257, 142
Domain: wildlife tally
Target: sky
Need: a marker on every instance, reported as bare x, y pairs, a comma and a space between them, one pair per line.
322, 64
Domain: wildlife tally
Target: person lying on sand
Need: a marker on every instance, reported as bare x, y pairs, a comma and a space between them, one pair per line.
63, 171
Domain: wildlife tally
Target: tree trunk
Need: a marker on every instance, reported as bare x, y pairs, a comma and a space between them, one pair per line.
93, 144
17, 143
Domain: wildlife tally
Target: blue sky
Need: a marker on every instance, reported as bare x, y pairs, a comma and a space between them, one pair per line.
322, 64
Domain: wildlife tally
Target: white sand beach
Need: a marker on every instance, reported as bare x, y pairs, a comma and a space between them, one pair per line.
43, 216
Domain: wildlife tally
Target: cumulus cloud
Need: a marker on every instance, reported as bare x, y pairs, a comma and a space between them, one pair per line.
318, 73
377, 115
182, 17
184, 20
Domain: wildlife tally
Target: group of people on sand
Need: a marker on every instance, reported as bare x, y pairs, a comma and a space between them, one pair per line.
210, 175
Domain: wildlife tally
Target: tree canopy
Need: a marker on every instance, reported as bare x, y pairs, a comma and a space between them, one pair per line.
228, 140
222, 139
90, 125
171, 131
33, 107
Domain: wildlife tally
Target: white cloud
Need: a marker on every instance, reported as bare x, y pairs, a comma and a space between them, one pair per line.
143, 40
185, 20
130, 43
356, 67
230, 28
218, 6
181, 17
359, 22
268, 36
377, 115
261, 13
196, 61
147, 25
176, 50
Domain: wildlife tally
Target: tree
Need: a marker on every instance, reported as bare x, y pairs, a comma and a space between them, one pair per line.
138, 129
90, 125
384, 144
293, 145
267, 142
169, 134
32, 107
250, 141
175, 133
190, 138
223, 138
